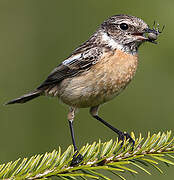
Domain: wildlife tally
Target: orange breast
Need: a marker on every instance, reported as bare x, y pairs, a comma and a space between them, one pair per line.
115, 70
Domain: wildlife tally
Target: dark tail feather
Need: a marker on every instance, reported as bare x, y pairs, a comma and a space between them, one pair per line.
25, 97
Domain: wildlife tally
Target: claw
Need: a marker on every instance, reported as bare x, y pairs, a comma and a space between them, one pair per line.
124, 135
77, 158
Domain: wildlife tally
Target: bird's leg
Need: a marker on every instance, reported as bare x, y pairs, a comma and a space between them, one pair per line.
77, 158
121, 135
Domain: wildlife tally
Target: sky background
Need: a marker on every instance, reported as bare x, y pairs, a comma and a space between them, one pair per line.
36, 35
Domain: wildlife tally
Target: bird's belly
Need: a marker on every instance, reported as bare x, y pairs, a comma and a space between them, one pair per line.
87, 94
99, 84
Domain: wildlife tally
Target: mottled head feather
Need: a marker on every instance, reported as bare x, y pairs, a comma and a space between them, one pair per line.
131, 37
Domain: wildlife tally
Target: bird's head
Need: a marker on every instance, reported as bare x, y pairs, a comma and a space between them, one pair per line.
127, 31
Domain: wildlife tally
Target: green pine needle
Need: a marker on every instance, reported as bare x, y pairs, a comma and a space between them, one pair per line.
108, 156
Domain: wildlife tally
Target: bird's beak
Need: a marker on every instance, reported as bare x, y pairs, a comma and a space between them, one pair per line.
140, 36
147, 34
150, 35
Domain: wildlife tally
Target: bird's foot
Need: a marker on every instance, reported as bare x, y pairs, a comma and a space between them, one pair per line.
77, 158
123, 135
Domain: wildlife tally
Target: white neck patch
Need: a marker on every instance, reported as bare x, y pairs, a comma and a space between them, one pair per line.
111, 42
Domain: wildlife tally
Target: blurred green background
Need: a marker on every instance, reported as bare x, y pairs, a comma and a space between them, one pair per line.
36, 35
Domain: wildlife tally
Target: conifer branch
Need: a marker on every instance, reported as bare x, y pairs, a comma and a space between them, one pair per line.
109, 156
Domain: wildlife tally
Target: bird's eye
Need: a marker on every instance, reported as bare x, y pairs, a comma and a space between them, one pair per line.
124, 26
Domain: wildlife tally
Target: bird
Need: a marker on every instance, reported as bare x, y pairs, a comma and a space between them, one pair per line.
97, 71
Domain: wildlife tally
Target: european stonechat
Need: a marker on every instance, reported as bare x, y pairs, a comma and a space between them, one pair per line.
98, 70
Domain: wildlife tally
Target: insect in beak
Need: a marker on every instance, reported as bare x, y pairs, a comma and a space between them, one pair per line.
152, 34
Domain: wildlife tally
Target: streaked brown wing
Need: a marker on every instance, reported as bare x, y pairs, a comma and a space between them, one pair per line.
72, 66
